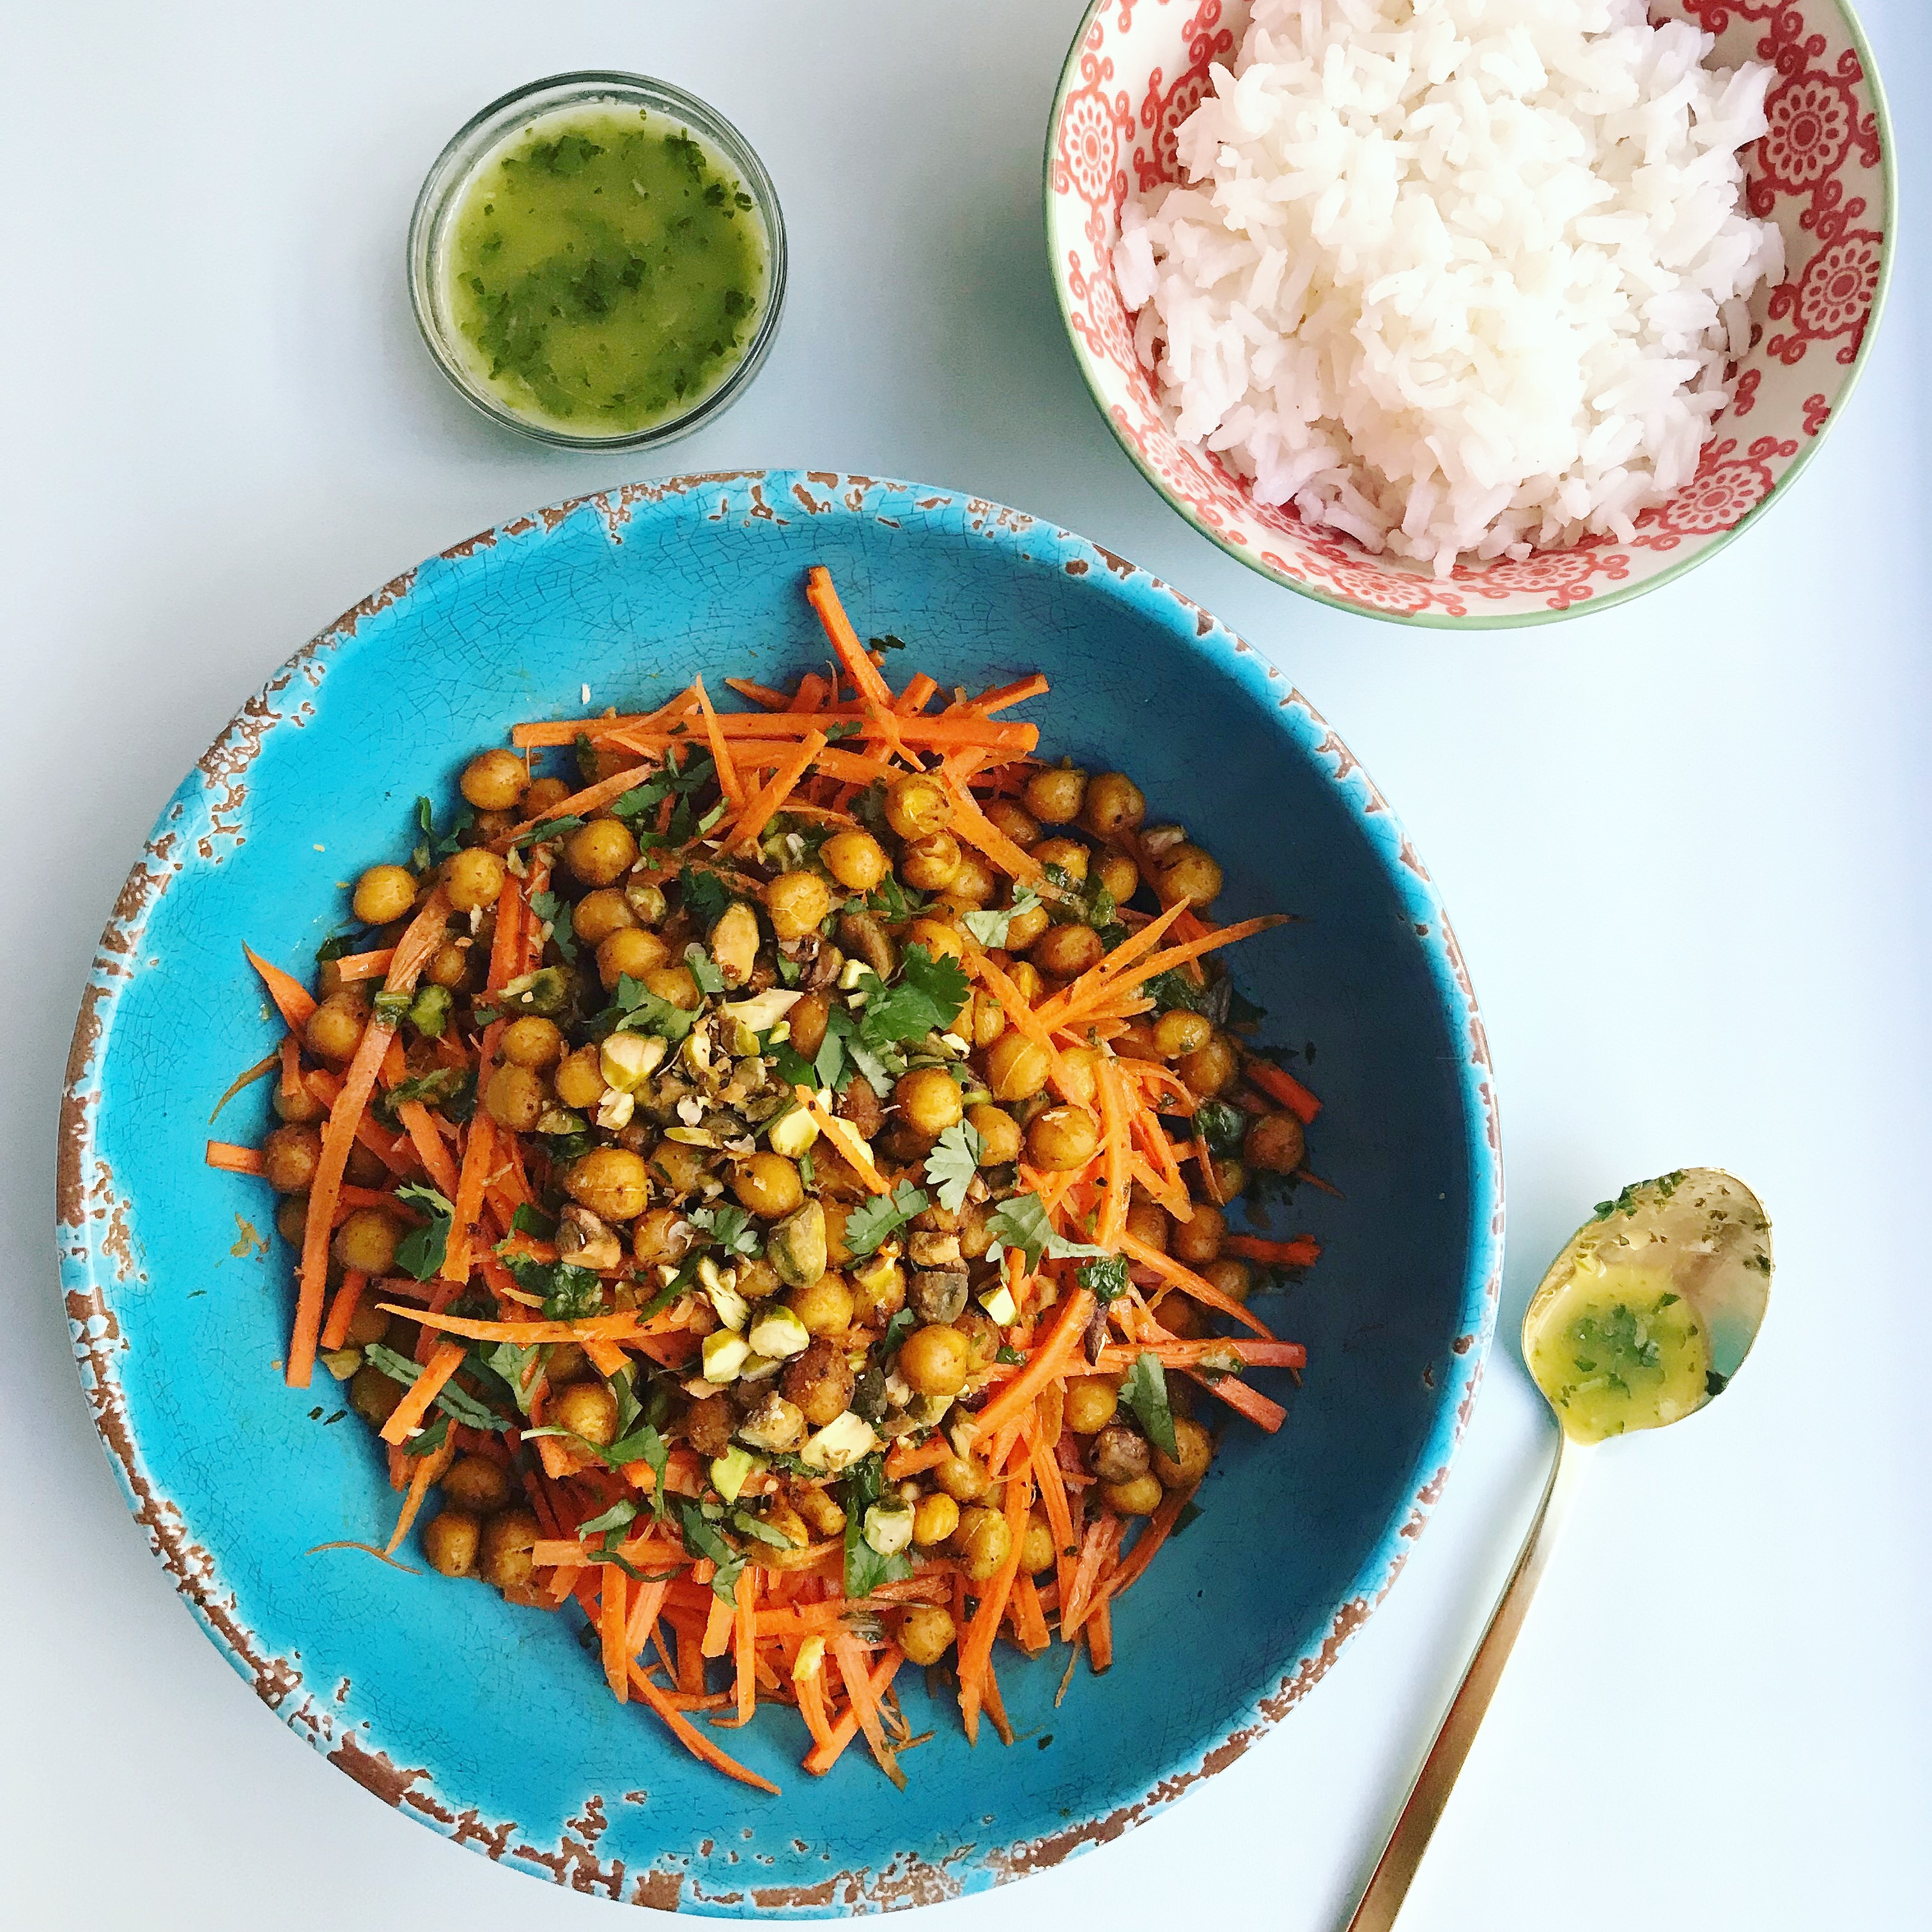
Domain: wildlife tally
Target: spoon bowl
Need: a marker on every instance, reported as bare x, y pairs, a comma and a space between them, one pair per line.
1652, 1305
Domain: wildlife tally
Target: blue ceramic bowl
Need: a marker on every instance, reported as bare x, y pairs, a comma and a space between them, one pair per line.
179, 1316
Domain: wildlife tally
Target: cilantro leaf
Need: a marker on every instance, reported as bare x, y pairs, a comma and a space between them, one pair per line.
990, 924
620, 1513
529, 1220
705, 896
701, 1540
926, 998
1144, 1391
883, 1217
1104, 1278
455, 1402
951, 1165
1222, 1126
1021, 1222
544, 830
433, 1438
703, 969
1174, 989
558, 913
865, 1569
434, 845
574, 1293
638, 1010
731, 1227
450, 1091
515, 1366
421, 1251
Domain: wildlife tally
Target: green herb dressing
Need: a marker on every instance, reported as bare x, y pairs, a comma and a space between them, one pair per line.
1619, 1350
607, 271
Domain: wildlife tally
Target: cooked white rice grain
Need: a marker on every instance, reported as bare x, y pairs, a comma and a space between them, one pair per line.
1459, 278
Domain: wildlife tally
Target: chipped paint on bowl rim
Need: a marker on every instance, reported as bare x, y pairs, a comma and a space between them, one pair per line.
117, 1220
1825, 172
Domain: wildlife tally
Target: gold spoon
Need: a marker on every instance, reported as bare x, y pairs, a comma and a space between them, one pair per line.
1643, 1318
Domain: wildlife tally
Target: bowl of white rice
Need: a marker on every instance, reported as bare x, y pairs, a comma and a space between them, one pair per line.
1469, 312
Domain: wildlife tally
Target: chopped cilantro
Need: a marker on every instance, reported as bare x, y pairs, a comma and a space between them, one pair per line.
729, 1226
925, 998
865, 1569
883, 1217
705, 896
703, 969
421, 1251
1144, 1391
990, 924
1104, 1278
1020, 1222
951, 1165
557, 913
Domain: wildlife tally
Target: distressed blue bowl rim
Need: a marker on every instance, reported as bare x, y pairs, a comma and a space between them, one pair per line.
93, 1222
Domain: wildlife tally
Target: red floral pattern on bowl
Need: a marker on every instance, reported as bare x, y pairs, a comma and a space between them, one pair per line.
1822, 171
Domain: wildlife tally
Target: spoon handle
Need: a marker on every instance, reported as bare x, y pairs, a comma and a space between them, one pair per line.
1389, 1885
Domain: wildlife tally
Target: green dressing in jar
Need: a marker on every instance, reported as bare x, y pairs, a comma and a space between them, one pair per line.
606, 270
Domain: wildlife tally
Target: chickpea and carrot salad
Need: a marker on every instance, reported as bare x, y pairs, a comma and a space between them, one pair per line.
774, 1186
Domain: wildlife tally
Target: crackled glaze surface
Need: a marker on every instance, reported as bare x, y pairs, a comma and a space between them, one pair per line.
1138, 68
179, 1309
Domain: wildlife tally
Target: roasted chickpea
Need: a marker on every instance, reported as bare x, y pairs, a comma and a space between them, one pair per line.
532, 1041
334, 1030
1080, 1076
677, 984
926, 1632
1136, 1041
291, 1217
856, 859
878, 1293
797, 902
820, 1509
1016, 1069
449, 1540
1026, 981
1071, 856
384, 894
1233, 1278
487, 827
515, 1098
1198, 1239
494, 780
579, 1082
600, 913
1277, 1142
928, 864
367, 1241
1008, 816
631, 952
508, 1538
588, 1409
982, 1542
1181, 1032
1113, 803
1140, 1497
373, 1396
708, 1425
1231, 1177
1120, 878
807, 1021
1055, 797
662, 1237
768, 1184
611, 1182
1117, 1453
475, 1483
448, 965
291, 1155
1036, 1549
976, 883
941, 940
982, 1335
367, 1323
601, 852
983, 1021
545, 795
928, 1099
935, 1518
917, 806
961, 1478
1181, 1316
999, 1134
1091, 1402
1066, 952
473, 877
837, 1254
679, 1167
1149, 1224
820, 1380
1188, 873
1209, 1069
1194, 1449
1026, 926
1061, 1138
935, 1360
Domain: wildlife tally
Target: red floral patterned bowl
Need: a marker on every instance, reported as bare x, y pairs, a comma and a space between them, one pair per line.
1137, 70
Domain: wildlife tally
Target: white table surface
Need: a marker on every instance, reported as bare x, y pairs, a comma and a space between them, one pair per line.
1682, 842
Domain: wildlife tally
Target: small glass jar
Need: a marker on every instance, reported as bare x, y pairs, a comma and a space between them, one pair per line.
477, 143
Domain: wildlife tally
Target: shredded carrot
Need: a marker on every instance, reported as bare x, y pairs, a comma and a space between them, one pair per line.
354, 966
1193, 1354
762, 695
971, 824
822, 1757
293, 1001
728, 780
1279, 1084
1304, 1251
613, 1630
847, 1138
430, 1146
851, 1659
1200, 1288
757, 815
427, 1469
745, 1640
342, 1309
479, 1154
408, 1414
230, 1158
1049, 1357
261, 1069
873, 692
694, 1740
